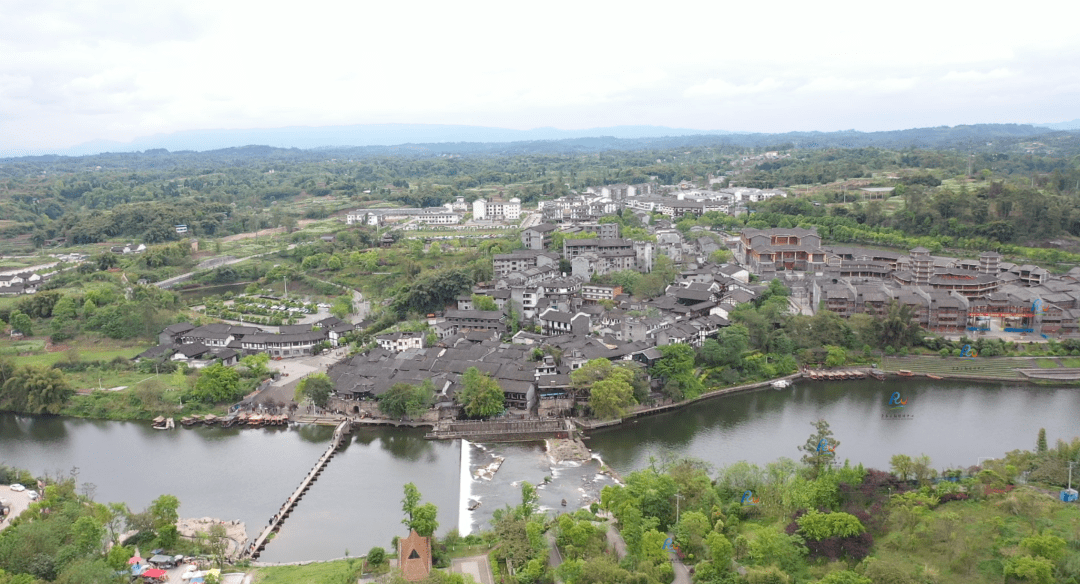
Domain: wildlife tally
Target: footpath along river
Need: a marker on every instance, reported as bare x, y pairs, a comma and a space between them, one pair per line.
356, 503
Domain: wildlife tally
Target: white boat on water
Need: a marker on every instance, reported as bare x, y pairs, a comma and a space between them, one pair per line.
781, 384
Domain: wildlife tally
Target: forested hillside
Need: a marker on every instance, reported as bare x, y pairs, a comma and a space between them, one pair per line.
1022, 185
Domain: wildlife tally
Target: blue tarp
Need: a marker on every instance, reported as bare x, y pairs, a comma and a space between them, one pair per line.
1068, 495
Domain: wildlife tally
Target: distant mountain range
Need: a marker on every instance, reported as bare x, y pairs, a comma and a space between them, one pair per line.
429, 139
1073, 125
306, 137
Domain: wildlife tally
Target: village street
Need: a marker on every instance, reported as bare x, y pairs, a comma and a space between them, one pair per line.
292, 371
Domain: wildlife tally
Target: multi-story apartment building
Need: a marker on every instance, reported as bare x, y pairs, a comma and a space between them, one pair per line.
521, 260
781, 249
537, 236
497, 210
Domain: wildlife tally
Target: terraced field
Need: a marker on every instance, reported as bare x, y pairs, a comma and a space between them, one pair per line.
1003, 368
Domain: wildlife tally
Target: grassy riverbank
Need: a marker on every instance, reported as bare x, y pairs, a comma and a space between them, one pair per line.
335, 572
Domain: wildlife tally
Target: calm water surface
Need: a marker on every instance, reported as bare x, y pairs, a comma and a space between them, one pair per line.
356, 503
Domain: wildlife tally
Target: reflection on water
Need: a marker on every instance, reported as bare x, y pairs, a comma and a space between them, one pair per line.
953, 422
408, 445
314, 433
356, 502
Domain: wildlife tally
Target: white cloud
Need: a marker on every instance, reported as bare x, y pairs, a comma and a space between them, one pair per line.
722, 88
75, 71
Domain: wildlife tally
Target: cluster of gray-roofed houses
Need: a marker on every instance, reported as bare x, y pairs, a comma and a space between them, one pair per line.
201, 345
946, 294
578, 320
14, 284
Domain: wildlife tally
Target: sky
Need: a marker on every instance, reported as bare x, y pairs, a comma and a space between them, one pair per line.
78, 71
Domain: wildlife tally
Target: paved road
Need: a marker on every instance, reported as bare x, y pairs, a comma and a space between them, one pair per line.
475, 566
616, 541
682, 573
17, 501
283, 389
554, 557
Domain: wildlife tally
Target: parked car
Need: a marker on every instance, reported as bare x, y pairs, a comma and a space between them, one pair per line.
17, 487
32, 494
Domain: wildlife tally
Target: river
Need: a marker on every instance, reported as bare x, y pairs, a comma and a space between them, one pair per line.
356, 503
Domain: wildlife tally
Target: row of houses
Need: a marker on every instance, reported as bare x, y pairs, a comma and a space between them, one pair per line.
946, 294
228, 343
21, 283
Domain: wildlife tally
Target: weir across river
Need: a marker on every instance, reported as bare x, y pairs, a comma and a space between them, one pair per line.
256, 547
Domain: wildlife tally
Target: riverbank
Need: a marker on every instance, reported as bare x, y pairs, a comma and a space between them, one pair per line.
648, 411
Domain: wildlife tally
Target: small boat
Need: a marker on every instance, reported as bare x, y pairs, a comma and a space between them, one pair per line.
904, 373
158, 423
781, 384
188, 421
210, 419
877, 374
932, 376
473, 505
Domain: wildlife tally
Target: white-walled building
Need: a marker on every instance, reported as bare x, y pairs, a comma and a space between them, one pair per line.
497, 210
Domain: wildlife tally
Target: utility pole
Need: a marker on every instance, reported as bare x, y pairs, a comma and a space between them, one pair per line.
286, 278
1070, 473
678, 497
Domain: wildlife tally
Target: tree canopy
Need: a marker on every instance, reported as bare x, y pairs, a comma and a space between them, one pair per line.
480, 394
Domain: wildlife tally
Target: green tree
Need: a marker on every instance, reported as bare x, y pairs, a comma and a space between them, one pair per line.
376, 556
480, 394
677, 365
405, 399
922, 469
163, 511
65, 308
484, 302
816, 526
835, 356
342, 307
36, 390
1030, 569
117, 558
216, 383
1040, 444
901, 465
771, 547
820, 447
899, 328
1047, 546
720, 256
609, 398
256, 364
318, 387
22, 323
422, 518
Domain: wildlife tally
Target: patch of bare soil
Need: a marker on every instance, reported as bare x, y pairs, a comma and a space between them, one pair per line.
561, 450
266, 232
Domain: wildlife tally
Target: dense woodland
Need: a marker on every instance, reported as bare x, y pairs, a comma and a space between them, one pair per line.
1026, 188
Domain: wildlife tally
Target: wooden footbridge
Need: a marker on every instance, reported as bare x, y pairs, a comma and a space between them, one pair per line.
256, 547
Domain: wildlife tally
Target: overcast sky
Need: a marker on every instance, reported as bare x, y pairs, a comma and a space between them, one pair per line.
72, 72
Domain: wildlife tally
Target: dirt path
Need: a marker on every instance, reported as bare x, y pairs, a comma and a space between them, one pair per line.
266, 232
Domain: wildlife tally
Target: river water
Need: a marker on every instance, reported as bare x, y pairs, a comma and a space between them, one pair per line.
356, 502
